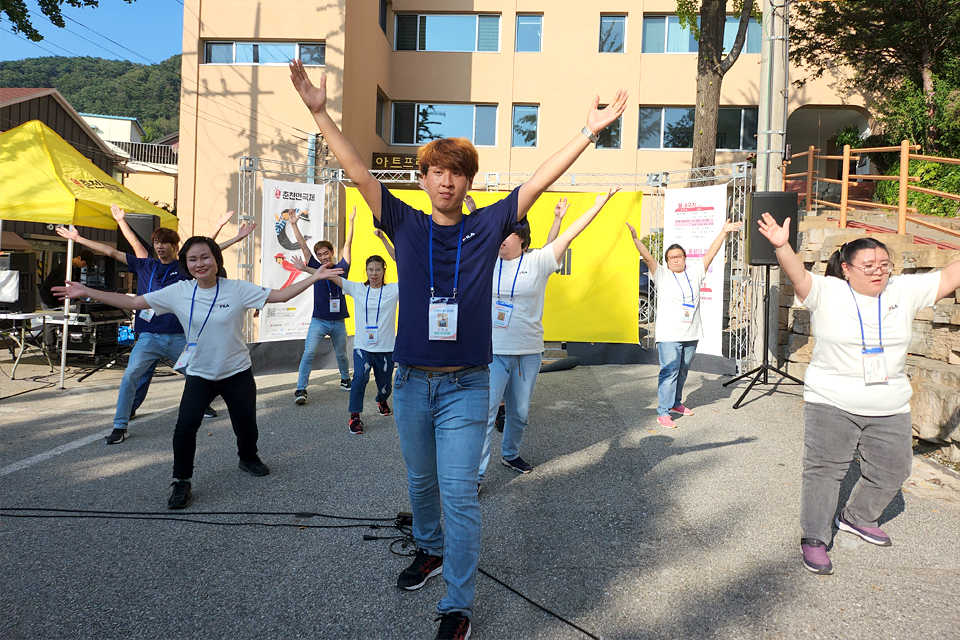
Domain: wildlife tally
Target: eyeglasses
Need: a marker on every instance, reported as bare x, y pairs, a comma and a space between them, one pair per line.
884, 268
679, 257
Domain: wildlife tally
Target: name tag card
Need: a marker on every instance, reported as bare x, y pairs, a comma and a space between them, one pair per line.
874, 366
687, 317
370, 332
147, 314
501, 314
184, 358
334, 305
442, 319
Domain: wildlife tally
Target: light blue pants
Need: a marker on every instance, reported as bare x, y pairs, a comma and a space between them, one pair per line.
512, 379
149, 349
337, 331
675, 361
441, 419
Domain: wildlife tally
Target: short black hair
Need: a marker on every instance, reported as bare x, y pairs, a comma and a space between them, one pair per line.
671, 248
87, 256
522, 229
214, 249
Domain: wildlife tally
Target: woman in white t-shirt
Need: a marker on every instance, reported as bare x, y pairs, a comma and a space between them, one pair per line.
375, 314
216, 361
519, 284
856, 393
678, 318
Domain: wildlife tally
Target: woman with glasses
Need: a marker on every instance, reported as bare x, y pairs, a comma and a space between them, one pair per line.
678, 318
856, 393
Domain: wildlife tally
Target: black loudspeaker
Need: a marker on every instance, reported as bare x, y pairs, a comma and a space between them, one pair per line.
143, 225
26, 263
780, 205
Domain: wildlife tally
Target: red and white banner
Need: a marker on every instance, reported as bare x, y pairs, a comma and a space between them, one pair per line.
278, 246
693, 219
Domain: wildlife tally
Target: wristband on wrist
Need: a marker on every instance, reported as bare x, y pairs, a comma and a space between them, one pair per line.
591, 136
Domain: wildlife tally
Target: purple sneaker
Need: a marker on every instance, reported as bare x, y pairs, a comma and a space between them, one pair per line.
873, 535
815, 556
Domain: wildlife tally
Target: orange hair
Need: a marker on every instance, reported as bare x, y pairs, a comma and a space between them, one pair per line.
456, 154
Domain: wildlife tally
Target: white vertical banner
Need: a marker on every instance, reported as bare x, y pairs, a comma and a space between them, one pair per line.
278, 246
693, 218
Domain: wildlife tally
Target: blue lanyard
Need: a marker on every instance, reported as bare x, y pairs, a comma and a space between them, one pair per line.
500, 273
330, 291
366, 312
863, 339
192, 300
682, 294
162, 280
456, 271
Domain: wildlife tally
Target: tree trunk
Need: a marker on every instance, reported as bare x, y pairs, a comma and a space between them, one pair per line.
928, 96
709, 77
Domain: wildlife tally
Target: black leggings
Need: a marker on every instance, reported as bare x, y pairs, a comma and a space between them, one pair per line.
239, 391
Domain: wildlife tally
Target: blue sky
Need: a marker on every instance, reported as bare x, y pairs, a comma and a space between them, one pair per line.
150, 31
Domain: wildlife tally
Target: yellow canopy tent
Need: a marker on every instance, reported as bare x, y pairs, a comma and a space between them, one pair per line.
44, 179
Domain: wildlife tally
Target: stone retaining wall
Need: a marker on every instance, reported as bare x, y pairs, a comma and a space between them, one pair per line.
934, 350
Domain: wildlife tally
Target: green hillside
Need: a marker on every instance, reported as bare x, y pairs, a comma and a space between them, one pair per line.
150, 93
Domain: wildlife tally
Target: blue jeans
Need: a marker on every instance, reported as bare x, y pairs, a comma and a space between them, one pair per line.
675, 361
337, 331
381, 363
150, 349
441, 419
512, 379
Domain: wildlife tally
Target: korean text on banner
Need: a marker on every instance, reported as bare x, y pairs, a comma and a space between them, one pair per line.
278, 246
693, 218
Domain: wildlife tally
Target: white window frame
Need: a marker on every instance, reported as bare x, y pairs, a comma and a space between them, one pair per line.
600, 33
513, 119
517, 29
416, 109
476, 32
234, 43
743, 111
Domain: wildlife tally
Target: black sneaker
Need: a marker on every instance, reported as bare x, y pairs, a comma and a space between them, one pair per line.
356, 426
133, 414
300, 396
180, 496
254, 467
500, 419
116, 436
453, 626
517, 464
345, 384
384, 408
210, 412
423, 567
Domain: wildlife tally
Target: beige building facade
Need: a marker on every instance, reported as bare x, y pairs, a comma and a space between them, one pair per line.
516, 76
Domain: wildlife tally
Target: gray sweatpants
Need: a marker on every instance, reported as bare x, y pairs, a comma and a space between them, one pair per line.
831, 437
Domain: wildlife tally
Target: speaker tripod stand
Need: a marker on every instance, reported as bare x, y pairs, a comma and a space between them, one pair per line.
766, 368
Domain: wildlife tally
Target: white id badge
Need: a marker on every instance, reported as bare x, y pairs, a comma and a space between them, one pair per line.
184, 358
334, 305
370, 332
147, 314
874, 366
442, 319
501, 314
687, 317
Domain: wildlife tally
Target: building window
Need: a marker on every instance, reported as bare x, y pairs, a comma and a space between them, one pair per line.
529, 33
672, 128
447, 33
383, 15
380, 108
612, 33
663, 34
417, 123
610, 137
276, 53
525, 120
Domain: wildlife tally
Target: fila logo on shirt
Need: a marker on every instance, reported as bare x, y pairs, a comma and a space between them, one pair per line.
893, 306
468, 236
223, 306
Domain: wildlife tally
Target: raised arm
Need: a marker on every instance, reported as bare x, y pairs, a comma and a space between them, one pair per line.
577, 226
120, 216
287, 293
386, 243
315, 98
789, 261
652, 263
218, 226
949, 280
294, 217
558, 163
75, 290
73, 234
558, 212
715, 247
348, 238
244, 230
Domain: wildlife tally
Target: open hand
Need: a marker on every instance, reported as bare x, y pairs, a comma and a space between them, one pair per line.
224, 219
246, 229
598, 119
314, 97
72, 290
298, 263
729, 226
68, 233
325, 274
633, 231
777, 235
117, 213
561, 209
603, 198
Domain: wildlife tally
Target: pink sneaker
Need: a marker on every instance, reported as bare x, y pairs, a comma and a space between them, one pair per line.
682, 410
665, 421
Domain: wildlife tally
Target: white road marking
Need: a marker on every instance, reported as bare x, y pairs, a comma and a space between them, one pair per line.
46, 455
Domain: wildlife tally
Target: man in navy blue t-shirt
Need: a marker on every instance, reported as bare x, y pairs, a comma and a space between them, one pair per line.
329, 308
445, 264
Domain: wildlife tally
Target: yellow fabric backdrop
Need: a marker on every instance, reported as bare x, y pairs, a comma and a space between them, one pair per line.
597, 302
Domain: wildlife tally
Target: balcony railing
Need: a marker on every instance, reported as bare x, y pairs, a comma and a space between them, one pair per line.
146, 152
